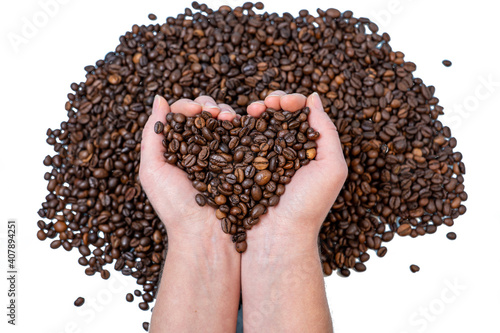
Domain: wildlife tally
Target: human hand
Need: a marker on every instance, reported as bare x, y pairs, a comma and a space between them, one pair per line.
199, 253
168, 189
313, 189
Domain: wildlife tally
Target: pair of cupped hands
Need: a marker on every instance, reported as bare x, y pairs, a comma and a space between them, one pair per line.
303, 206
279, 277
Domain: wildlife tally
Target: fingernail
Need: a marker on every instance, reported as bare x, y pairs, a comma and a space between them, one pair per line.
258, 102
195, 103
316, 101
226, 112
210, 104
274, 93
156, 103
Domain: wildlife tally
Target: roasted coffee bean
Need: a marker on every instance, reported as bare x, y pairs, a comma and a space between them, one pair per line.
79, 301
382, 251
404, 230
158, 127
447, 63
41, 235
201, 200
414, 268
451, 236
241, 246
129, 297
262, 177
260, 163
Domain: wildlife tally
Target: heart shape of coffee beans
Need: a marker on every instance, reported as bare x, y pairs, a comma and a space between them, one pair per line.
240, 167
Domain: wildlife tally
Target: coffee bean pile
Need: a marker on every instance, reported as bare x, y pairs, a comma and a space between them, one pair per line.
240, 167
404, 176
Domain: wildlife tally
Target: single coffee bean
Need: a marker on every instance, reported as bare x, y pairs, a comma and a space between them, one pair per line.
129, 297
201, 200
241, 246
404, 230
79, 301
447, 63
260, 163
41, 235
158, 127
414, 268
382, 251
262, 177
451, 236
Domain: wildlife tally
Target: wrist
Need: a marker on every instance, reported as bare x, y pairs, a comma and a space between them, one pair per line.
265, 243
211, 246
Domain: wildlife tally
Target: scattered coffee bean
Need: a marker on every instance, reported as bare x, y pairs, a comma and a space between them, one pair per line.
129, 297
414, 268
152, 17
451, 236
447, 63
79, 301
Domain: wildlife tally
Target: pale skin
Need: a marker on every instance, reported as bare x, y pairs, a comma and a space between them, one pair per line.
280, 275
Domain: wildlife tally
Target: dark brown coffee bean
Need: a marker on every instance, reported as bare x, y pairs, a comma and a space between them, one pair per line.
201, 200
79, 301
158, 127
414, 268
360, 267
404, 230
129, 297
382, 251
447, 63
258, 210
451, 236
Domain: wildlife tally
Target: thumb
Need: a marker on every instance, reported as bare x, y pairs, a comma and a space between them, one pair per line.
151, 145
329, 147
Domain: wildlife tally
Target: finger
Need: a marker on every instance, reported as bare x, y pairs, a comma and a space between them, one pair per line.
273, 99
226, 112
257, 108
209, 105
187, 107
293, 102
329, 146
151, 145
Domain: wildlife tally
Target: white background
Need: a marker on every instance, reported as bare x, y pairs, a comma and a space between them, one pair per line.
455, 291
